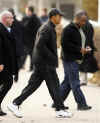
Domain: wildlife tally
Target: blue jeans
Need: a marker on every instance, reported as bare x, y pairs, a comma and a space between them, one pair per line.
72, 82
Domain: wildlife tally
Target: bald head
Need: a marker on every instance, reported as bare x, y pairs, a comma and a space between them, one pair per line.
80, 18
6, 18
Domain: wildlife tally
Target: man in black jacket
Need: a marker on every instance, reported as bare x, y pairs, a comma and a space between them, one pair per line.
8, 63
73, 51
31, 24
45, 61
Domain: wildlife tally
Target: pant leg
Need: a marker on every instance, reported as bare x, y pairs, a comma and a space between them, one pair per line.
52, 83
34, 82
75, 83
6, 81
16, 77
65, 87
23, 58
31, 63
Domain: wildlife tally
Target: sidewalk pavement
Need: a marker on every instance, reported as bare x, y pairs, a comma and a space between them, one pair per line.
37, 108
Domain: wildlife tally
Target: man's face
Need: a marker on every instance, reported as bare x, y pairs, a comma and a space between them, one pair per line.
8, 20
82, 21
57, 19
44, 13
28, 12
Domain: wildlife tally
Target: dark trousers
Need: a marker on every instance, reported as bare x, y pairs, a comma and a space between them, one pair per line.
72, 82
20, 65
6, 81
27, 52
41, 73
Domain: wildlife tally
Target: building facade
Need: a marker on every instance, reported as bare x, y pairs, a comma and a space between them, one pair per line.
5, 4
68, 7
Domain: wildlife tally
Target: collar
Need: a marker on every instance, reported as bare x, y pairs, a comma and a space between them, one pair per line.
75, 25
52, 24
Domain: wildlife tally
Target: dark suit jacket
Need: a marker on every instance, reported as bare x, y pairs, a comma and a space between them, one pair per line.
7, 50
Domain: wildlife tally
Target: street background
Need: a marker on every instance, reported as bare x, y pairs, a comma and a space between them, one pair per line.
37, 108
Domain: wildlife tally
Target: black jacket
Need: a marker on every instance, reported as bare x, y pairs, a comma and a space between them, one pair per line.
17, 31
71, 43
31, 25
89, 33
7, 50
89, 63
45, 49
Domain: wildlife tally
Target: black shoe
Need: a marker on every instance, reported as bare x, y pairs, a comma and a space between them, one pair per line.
83, 84
2, 113
64, 108
84, 107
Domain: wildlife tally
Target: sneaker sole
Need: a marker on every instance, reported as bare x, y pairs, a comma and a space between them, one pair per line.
13, 112
63, 117
84, 109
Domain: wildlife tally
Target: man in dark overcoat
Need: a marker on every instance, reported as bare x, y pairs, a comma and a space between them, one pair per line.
17, 32
89, 64
8, 62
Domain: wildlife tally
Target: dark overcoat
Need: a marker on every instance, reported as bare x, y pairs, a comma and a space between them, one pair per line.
89, 63
7, 50
18, 33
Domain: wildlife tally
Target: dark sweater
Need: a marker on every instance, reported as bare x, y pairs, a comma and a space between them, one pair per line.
71, 43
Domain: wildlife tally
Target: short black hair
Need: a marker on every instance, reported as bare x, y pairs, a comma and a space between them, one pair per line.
31, 8
12, 11
54, 12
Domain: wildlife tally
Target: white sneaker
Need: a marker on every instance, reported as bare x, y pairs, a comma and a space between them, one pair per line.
63, 114
15, 109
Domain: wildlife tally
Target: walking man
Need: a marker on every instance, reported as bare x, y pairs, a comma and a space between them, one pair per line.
45, 61
31, 24
73, 51
8, 62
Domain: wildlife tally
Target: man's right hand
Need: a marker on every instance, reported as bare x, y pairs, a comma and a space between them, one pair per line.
1, 68
83, 51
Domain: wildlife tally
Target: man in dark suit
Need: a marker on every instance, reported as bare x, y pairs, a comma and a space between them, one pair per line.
31, 24
8, 64
45, 61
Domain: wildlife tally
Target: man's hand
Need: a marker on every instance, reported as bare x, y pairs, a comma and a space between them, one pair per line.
88, 48
83, 51
1, 68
